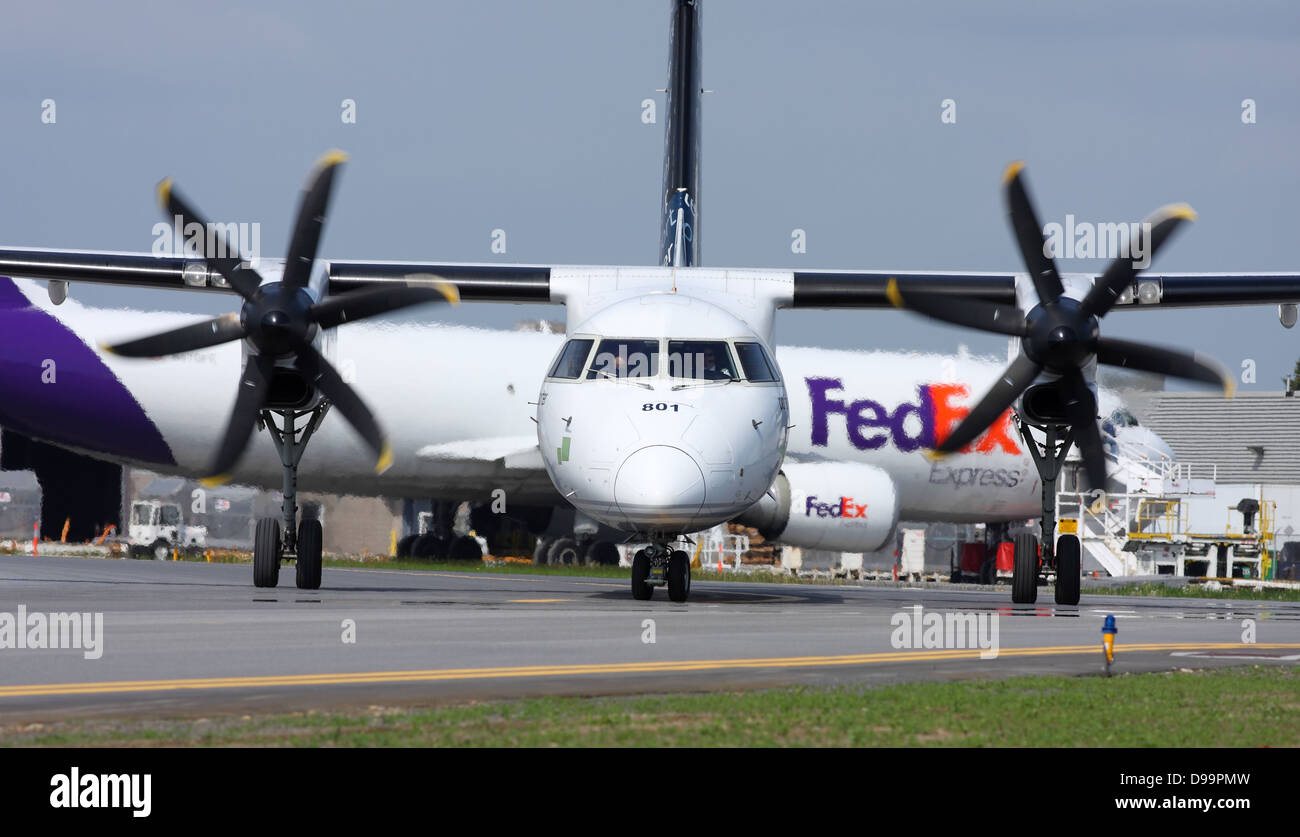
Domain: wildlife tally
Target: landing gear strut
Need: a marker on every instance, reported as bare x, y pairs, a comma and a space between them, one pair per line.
1063, 558
658, 566
286, 539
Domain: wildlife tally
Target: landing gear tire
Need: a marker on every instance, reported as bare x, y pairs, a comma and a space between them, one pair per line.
429, 547
564, 553
640, 572
679, 576
404, 546
465, 548
539, 551
1024, 579
1067, 570
603, 554
160, 550
310, 541
266, 553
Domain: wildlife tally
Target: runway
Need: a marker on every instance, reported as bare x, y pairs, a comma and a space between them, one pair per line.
181, 638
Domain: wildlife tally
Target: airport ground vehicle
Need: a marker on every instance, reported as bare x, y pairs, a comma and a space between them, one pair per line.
157, 528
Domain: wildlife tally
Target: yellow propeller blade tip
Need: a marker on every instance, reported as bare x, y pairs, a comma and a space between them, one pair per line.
107, 349
1012, 171
1229, 388
1182, 210
450, 291
164, 192
385, 459
214, 481
935, 455
332, 158
892, 293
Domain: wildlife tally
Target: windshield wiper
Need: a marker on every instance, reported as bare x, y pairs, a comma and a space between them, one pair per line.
723, 381
617, 378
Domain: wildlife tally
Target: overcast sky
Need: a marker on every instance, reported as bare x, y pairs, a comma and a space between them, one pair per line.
526, 116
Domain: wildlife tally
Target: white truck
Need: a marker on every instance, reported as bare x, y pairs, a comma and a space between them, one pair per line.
157, 528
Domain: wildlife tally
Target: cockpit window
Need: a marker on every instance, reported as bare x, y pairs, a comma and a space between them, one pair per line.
570, 362
706, 360
618, 358
754, 361
1123, 418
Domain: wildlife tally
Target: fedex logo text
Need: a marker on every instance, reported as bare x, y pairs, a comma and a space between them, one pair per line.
844, 508
909, 426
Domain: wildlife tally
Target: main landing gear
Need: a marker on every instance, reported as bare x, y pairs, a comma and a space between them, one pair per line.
658, 565
287, 539
1064, 558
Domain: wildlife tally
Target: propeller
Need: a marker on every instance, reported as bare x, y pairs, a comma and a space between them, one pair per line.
1060, 335
280, 320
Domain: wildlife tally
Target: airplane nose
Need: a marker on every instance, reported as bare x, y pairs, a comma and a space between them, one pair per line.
658, 483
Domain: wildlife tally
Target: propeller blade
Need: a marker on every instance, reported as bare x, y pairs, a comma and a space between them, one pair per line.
345, 399
962, 311
248, 404
311, 220
244, 280
357, 305
1019, 375
1121, 272
1029, 236
1081, 409
1162, 361
211, 332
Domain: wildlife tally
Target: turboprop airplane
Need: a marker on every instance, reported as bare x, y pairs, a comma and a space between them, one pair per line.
663, 412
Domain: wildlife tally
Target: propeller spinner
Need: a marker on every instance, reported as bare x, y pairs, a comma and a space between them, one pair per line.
1060, 334
280, 320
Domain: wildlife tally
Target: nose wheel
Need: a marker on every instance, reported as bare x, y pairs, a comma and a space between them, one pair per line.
659, 566
679, 576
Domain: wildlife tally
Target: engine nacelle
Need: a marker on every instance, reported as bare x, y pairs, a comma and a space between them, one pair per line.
846, 507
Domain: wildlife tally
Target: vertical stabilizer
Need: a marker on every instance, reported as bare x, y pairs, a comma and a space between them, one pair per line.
679, 230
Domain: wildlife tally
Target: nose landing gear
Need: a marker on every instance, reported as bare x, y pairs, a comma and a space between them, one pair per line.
275, 541
1063, 556
658, 565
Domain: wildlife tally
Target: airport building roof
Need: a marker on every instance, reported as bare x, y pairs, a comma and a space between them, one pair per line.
1251, 438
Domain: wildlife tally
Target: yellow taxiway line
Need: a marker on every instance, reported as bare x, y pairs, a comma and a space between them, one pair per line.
664, 667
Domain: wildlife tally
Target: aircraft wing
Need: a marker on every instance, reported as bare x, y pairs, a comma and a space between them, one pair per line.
144, 270
512, 453
866, 289
478, 282
532, 283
